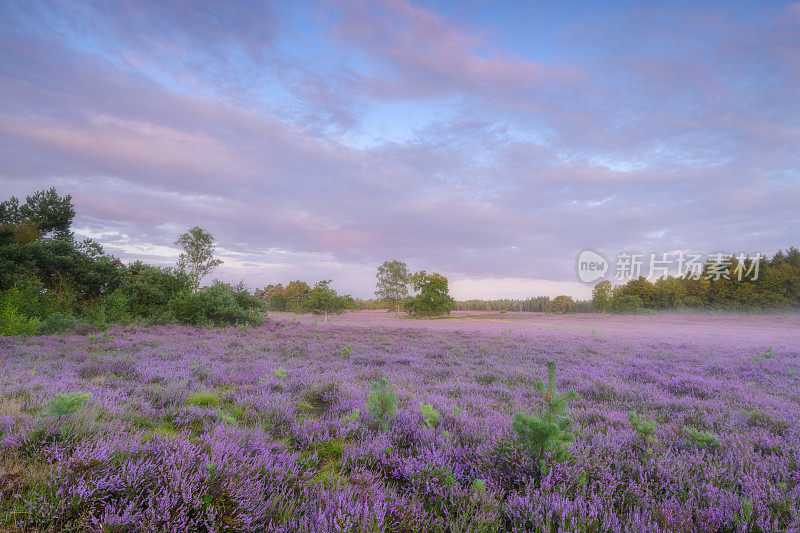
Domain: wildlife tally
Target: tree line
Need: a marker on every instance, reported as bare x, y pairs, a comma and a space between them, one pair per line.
394, 286
718, 287
51, 282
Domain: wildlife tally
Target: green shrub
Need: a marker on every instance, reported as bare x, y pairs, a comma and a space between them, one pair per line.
627, 304
382, 402
701, 439
65, 404
547, 430
430, 414
345, 351
149, 289
352, 418
12, 322
217, 305
643, 427
116, 307
30, 298
225, 417
60, 323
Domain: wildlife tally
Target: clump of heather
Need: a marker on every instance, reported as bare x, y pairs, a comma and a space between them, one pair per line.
412, 426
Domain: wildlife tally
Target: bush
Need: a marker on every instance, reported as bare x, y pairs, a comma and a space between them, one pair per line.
547, 430
644, 428
67, 404
60, 323
701, 439
116, 307
149, 289
12, 322
30, 298
217, 305
382, 402
430, 414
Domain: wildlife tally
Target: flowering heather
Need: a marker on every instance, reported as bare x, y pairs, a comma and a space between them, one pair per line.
184, 429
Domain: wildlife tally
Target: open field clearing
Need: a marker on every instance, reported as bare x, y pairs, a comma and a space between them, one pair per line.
280, 427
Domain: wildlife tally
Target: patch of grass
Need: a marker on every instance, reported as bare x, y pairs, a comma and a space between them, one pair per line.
758, 418
203, 399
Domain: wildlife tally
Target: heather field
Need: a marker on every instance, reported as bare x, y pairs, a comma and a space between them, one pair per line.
285, 427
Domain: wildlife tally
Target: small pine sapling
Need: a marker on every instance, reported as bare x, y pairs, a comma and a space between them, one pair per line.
549, 429
643, 427
382, 402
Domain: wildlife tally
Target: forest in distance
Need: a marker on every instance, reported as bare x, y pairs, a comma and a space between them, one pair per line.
50, 281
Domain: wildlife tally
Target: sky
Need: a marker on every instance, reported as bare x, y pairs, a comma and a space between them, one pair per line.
490, 142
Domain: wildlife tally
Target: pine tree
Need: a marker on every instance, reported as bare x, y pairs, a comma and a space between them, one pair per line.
549, 429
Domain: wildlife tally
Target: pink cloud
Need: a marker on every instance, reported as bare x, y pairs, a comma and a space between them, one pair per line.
427, 55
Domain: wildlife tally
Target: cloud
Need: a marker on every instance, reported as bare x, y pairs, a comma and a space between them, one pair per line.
679, 132
422, 54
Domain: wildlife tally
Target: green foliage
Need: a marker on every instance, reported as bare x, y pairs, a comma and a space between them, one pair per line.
393, 279
44, 271
36, 246
768, 354
12, 322
280, 373
601, 296
295, 294
60, 323
203, 399
225, 417
701, 439
215, 306
45, 211
116, 307
197, 258
430, 414
323, 300
478, 487
644, 428
149, 289
627, 304
352, 418
433, 298
382, 402
549, 429
65, 404
726, 283
31, 298
561, 304
345, 352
